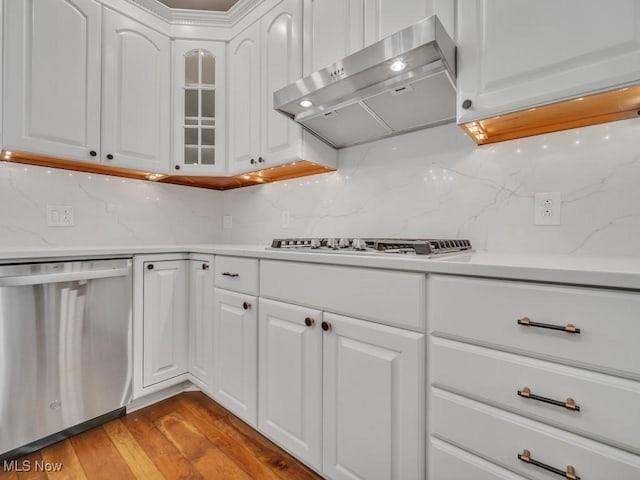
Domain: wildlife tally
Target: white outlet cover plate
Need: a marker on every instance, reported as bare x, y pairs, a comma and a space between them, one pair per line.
227, 222
60, 216
547, 208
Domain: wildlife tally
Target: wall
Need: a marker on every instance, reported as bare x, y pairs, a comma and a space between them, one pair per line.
108, 210
437, 183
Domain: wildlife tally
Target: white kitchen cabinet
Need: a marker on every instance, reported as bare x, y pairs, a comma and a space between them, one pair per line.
516, 55
383, 18
373, 400
201, 321
135, 95
165, 320
83, 82
199, 107
290, 378
264, 58
52, 78
244, 100
332, 29
235, 351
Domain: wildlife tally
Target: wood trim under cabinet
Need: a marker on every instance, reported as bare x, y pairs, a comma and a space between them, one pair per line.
289, 171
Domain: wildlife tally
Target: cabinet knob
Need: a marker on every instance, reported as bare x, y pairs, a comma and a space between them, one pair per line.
109, 156
150, 266
309, 322
93, 153
326, 326
177, 167
252, 161
246, 305
467, 104
205, 266
261, 160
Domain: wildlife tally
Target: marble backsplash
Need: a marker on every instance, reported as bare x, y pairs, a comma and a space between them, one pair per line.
109, 211
438, 183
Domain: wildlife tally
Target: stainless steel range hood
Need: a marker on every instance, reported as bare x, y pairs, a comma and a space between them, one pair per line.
401, 83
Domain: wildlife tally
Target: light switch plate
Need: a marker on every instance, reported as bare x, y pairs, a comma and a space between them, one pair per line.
60, 216
227, 222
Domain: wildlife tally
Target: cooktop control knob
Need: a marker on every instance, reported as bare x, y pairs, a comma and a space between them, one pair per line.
333, 243
315, 243
359, 244
344, 243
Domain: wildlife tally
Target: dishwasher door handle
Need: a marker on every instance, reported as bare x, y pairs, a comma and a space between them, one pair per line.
43, 278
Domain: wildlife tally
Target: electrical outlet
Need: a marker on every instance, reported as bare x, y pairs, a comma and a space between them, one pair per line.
227, 222
284, 219
547, 208
60, 216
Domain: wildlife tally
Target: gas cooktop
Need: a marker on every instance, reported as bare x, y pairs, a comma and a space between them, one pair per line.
422, 247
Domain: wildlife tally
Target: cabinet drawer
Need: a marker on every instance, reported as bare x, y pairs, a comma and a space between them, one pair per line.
486, 312
385, 296
608, 405
499, 437
447, 462
237, 274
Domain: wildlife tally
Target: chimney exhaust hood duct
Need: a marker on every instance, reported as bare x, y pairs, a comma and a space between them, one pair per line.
404, 82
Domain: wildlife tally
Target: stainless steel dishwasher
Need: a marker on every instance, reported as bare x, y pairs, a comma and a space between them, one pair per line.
65, 349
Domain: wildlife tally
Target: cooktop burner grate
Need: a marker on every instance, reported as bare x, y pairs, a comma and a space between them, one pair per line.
430, 247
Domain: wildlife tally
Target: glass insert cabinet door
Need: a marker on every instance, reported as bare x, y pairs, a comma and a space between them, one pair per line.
199, 115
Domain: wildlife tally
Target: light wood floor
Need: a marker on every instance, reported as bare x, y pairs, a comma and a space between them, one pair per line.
185, 437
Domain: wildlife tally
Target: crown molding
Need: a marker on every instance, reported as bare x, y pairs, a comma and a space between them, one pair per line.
175, 16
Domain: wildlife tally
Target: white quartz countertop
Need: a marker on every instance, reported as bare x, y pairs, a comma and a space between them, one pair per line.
616, 272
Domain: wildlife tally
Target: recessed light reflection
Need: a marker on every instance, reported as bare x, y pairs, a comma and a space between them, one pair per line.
397, 66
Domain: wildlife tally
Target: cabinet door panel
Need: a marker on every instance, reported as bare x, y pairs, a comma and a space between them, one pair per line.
513, 55
290, 379
282, 65
200, 321
52, 77
332, 30
373, 401
235, 348
383, 18
165, 321
200, 148
244, 99
136, 95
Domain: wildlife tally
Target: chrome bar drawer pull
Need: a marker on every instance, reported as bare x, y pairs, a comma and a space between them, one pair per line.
229, 274
569, 473
569, 404
569, 328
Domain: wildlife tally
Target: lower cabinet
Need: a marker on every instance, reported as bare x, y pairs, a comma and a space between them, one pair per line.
344, 395
173, 321
235, 351
200, 321
290, 378
165, 317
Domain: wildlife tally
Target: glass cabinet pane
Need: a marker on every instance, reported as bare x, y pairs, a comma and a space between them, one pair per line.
192, 67
191, 103
199, 107
191, 136
208, 69
208, 156
191, 155
208, 103
208, 136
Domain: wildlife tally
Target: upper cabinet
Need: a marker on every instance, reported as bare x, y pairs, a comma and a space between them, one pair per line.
332, 30
383, 18
199, 107
52, 78
244, 100
85, 83
135, 95
515, 55
264, 58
